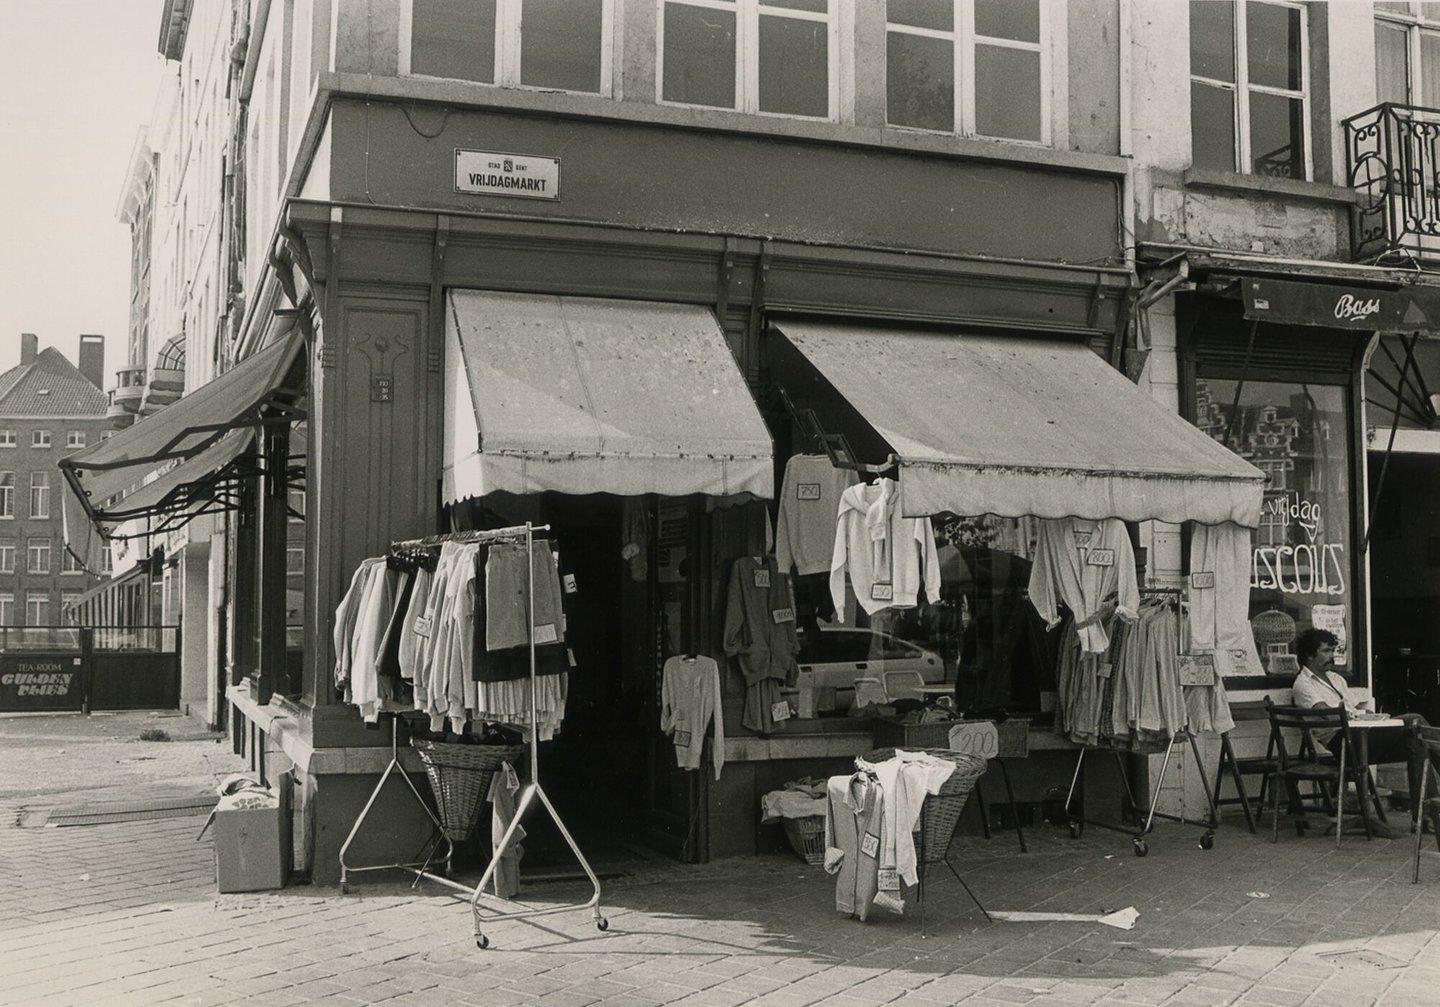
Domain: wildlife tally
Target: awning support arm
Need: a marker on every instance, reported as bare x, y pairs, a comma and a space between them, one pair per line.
1389, 447
1240, 385
1421, 390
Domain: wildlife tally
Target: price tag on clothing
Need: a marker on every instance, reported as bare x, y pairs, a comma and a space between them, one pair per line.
1196, 669
1082, 538
422, 626
888, 880
783, 615
1202, 579
1104, 670
807, 491
512, 778
762, 578
869, 845
1100, 557
682, 739
570, 655
780, 711
882, 592
546, 633
570, 587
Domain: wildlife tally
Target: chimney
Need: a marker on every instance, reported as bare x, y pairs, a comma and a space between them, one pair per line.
29, 346
92, 358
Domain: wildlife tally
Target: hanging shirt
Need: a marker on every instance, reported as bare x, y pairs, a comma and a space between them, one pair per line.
367, 688
1081, 563
809, 500
1220, 611
853, 827
508, 594
887, 556
905, 779
346, 614
689, 702
760, 620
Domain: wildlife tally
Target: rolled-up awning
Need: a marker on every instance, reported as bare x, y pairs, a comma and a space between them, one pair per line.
172, 463
1018, 426
588, 395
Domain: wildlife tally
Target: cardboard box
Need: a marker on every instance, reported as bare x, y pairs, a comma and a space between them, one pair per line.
252, 840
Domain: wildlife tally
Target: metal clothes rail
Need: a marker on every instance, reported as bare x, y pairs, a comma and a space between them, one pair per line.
533, 790
1078, 822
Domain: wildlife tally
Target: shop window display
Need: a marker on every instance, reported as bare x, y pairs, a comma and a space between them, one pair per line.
1302, 557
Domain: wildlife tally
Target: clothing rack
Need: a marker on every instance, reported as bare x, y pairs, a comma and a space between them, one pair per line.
533, 790
1078, 822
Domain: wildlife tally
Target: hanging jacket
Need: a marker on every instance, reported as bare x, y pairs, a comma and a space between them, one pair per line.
853, 825
809, 501
689, 702
905, 779
760, 620
346, 614
1220, 613
1081, 563
888, 557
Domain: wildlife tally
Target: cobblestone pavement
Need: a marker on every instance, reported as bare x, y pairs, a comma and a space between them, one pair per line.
126, 914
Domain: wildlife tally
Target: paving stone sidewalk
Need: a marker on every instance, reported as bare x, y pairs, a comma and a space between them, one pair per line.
126, 914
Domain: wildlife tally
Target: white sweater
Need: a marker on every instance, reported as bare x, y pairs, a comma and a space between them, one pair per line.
887, 555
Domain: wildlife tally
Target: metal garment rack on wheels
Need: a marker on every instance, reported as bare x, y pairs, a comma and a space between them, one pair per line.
1077, 822
531, 792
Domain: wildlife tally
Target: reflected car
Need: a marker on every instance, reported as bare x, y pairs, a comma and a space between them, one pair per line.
841, 654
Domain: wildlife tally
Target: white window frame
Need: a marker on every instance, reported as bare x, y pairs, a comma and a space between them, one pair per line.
1241, 88
33, 599
75, 439
40, 439
7, 608
7, 497
963, 41
8, 439
747, 54
1416, 25
7, 557
69, 616
40, 491
38, 545
508, 43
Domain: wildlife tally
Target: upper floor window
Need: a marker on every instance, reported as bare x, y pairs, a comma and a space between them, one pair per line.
75, 439
1249, 87
40, 439
7, 438
7, 608
7, 555
70, 563
975, 67
775, 57
39, 494
525, 43
1407, 53
39, 556
7, 494
37, 608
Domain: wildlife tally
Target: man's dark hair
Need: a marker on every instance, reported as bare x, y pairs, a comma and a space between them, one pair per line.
1307, 644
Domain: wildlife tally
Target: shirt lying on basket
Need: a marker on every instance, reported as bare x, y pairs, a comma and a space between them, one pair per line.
905, 779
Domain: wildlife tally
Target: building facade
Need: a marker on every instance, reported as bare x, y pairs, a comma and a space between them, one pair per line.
1143, 177
49, 408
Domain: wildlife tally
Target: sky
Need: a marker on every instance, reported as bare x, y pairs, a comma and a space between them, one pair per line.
78, 79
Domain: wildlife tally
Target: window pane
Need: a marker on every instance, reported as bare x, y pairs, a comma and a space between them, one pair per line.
699, 55
1430, 11
1212, 40
1007, 93
1273, 35
454, 38
1401, 8
1013, 19
560, 44
1277, 136
1212, 127
794, 66
818, 6
936, 14
1391, 59
920, 81
1429, 69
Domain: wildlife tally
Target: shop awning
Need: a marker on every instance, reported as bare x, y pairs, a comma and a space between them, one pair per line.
586, 395
1013, 426
140, 571
173, 461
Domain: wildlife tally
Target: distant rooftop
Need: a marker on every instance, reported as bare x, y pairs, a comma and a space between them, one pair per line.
50, 385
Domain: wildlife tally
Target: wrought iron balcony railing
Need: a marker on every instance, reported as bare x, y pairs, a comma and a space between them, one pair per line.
1392, 156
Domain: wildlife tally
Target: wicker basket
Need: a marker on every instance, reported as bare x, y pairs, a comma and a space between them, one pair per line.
807, 837
941, 812
460, 777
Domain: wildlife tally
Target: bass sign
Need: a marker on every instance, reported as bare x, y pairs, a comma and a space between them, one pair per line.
1353, 309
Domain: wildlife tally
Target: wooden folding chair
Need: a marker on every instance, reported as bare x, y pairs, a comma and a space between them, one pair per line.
1314, 725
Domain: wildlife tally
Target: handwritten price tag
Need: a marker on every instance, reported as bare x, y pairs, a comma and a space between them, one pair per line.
978, 738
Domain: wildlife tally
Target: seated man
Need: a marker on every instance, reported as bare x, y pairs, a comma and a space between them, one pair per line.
1319, 685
